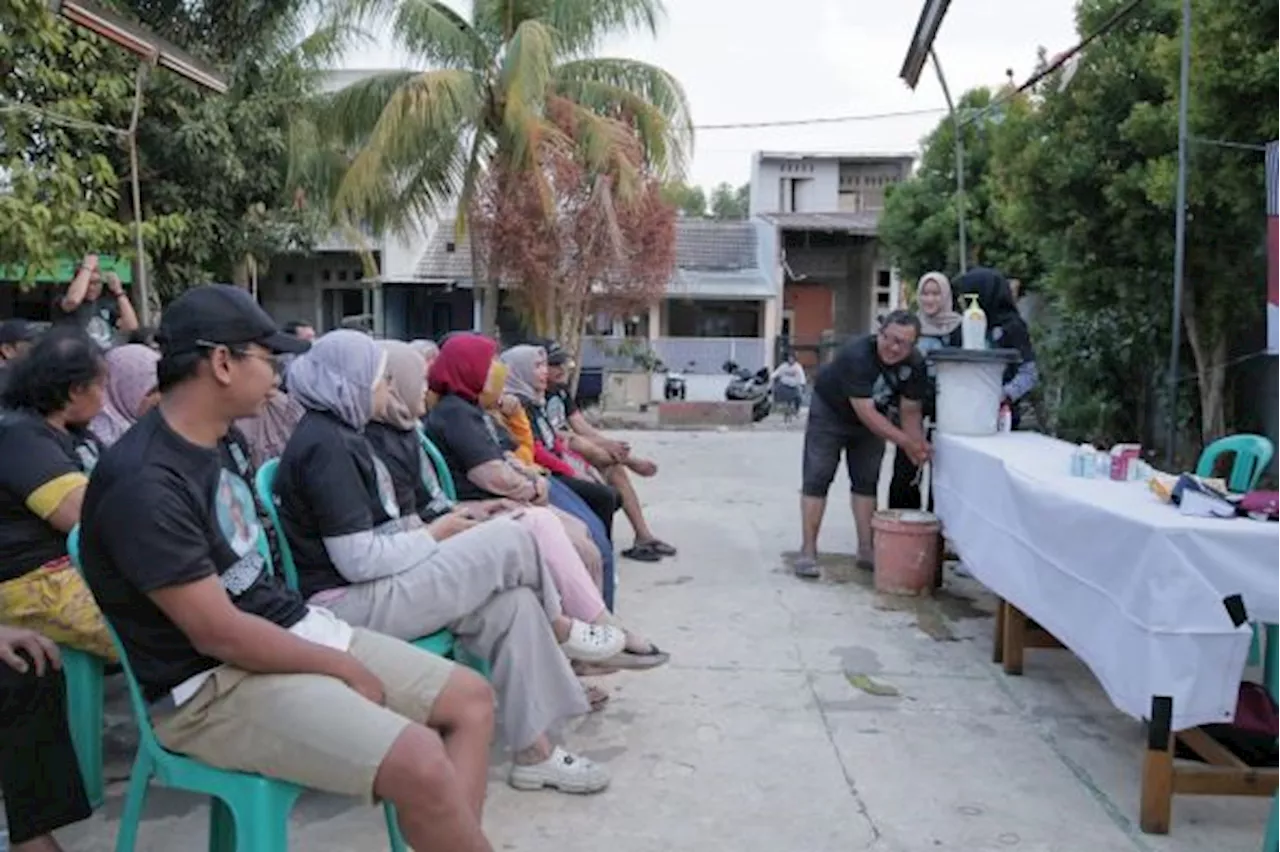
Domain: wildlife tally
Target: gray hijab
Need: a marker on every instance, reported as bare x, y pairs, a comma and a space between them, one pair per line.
522, 362
338, 375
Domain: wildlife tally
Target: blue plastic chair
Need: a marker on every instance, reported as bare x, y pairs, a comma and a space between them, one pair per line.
438, 462
439, 643
247, 812
1252, 455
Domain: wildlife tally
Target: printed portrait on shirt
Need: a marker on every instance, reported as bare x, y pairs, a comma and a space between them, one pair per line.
237, 517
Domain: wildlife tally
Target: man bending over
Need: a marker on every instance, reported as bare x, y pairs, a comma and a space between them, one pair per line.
240, 672
612, 458
855, 398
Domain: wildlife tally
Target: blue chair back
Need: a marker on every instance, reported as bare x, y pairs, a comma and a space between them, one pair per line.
265, 484
438, 462
1252, 455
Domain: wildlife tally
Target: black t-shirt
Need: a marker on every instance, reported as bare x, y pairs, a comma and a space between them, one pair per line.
857, 373
160, 512
98, 318
467, 438
39, 467
1012, 334
560, 407
418, 489
330, 484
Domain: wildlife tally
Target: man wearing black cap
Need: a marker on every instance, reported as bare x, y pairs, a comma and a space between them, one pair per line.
610, 457
240, 671
16, 337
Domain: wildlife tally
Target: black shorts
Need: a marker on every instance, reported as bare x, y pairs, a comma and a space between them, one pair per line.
826, 436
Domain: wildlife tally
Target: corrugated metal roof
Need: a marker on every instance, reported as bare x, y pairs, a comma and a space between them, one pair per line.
863, 222
700, 245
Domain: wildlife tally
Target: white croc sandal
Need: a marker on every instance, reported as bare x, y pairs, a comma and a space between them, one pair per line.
593, 643
563, 771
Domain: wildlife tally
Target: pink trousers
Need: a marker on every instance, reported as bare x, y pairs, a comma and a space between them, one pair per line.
579, 596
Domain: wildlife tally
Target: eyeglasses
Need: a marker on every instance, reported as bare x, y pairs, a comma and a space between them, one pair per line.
896, 341
266, 357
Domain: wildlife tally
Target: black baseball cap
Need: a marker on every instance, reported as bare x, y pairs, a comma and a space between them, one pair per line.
556, 354
221, 315
18, 331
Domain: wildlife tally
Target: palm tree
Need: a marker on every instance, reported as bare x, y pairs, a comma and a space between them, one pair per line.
422, 138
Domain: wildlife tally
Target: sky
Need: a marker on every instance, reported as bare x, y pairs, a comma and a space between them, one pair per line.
767, 60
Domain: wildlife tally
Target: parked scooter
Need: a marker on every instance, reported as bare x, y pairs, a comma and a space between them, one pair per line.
747, 386
675, 386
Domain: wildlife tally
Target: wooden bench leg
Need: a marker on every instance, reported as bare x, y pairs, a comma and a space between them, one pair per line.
1157, 769
1015, 639
997, 640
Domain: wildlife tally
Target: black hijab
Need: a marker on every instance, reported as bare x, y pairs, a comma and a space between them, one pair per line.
1005, 327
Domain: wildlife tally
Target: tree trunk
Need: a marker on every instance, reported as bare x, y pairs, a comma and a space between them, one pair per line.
486, 288
1209, 351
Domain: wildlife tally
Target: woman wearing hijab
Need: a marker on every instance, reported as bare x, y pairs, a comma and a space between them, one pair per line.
130, 391
374, 567
935, 306
393, 435
466, 381
1005, 330
268, 433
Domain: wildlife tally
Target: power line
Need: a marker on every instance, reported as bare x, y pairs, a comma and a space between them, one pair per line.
834, 119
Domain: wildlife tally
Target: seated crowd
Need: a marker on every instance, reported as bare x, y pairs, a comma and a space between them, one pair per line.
153, 452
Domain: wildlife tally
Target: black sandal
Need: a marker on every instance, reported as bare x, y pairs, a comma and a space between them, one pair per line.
660, 547
643, 552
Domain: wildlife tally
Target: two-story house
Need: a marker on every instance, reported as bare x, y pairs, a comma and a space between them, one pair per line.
817, 213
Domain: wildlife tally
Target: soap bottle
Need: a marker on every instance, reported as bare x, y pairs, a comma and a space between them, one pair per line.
973, 326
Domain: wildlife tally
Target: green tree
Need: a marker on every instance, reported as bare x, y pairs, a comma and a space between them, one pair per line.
691, 201
728, 202
424, 136
919, 221
59, 192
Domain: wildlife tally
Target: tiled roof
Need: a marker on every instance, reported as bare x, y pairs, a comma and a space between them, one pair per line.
700, 245
863, 223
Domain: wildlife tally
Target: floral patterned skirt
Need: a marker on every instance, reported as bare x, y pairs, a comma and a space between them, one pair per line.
55, 600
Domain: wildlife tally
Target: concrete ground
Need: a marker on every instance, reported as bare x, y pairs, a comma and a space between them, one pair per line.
794, 717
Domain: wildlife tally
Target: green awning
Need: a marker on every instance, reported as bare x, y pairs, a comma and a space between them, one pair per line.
66, 270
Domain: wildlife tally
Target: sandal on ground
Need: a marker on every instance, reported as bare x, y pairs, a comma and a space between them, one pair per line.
596, 697
649, 658
593, 643
659, 546
643, 552
582, 669
563, 771
806, 568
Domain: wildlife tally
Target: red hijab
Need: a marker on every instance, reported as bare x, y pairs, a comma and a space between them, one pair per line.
462, 367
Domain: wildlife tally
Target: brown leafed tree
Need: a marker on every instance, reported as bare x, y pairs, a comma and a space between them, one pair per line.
566, 243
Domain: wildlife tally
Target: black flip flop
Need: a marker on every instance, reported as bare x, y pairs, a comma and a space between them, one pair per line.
643, 553
660, 547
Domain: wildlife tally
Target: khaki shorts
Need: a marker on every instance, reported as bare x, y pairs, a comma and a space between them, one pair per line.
312, 730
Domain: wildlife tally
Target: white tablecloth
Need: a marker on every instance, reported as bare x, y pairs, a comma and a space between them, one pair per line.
1131, 586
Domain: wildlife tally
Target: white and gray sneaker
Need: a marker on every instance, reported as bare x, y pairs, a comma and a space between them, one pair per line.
562, 771
593, 643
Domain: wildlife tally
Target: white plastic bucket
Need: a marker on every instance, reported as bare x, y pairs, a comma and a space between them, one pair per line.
969, 389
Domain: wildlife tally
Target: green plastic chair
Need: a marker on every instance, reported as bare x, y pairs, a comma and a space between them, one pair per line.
84, 673
438, 462
247, 812
1252, 455
1271, 842
439, 643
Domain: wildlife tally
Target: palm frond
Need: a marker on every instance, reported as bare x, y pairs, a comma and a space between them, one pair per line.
481, 150
350, 114
427, 116
635, 91
605, 146
582, 25
438, 35
523, 82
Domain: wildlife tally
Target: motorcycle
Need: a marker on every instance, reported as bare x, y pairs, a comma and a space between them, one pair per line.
747, 386
675, 387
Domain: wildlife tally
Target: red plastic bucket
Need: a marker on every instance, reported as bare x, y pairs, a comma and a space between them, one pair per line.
906, 551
